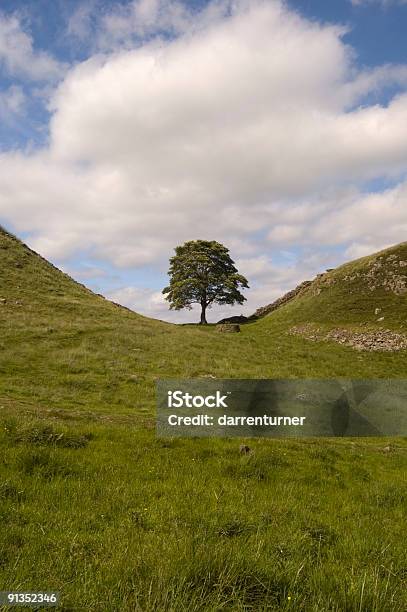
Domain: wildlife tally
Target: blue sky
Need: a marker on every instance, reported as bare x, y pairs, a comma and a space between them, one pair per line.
377, 29
278, 128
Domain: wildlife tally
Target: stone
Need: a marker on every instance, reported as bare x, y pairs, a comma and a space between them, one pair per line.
230, 328
235, 319
380, 340
244, 449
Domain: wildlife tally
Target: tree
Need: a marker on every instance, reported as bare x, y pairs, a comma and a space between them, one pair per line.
202, 272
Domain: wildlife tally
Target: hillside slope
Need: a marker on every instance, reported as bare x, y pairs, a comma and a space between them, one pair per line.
27, 279
63, 347
57, 337
362, 303
355, 290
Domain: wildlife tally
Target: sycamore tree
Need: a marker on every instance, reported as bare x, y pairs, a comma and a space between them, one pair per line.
202, 272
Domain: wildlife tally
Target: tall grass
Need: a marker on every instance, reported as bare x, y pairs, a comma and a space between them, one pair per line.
118, 520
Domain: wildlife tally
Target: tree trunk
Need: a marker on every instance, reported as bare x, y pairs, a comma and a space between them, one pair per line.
203, 320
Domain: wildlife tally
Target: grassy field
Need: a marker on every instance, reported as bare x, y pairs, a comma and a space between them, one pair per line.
116, 519
92, 504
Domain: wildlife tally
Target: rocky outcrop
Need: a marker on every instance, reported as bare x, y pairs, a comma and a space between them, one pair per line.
229, 328
235, 319
384, 272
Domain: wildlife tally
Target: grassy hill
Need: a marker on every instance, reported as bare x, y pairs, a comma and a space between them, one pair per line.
62, 346
363, 292
93, 505
361, 304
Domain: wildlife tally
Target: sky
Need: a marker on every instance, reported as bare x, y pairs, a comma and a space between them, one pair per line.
277, 128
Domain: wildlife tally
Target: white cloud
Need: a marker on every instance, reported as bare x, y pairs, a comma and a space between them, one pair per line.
254, 267
12, 103
242, 128
373, 80
375, 220
79, 26
142, 18
87, 272
363, 222
356, 250
18, 56
150, 303
135, 21
234, 109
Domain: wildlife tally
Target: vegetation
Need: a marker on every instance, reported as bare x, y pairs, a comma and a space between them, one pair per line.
92, 504
116, 519
202, 272
370, 292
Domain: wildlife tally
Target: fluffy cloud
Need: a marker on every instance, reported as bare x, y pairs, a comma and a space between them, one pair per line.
374, 220
152, 303
18, 56
244, 126
365, 222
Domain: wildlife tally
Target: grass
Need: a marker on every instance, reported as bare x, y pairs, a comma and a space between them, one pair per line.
116, 519
92, 504
64, 347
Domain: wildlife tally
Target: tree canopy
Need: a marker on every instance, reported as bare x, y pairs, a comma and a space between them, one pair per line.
202, 272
